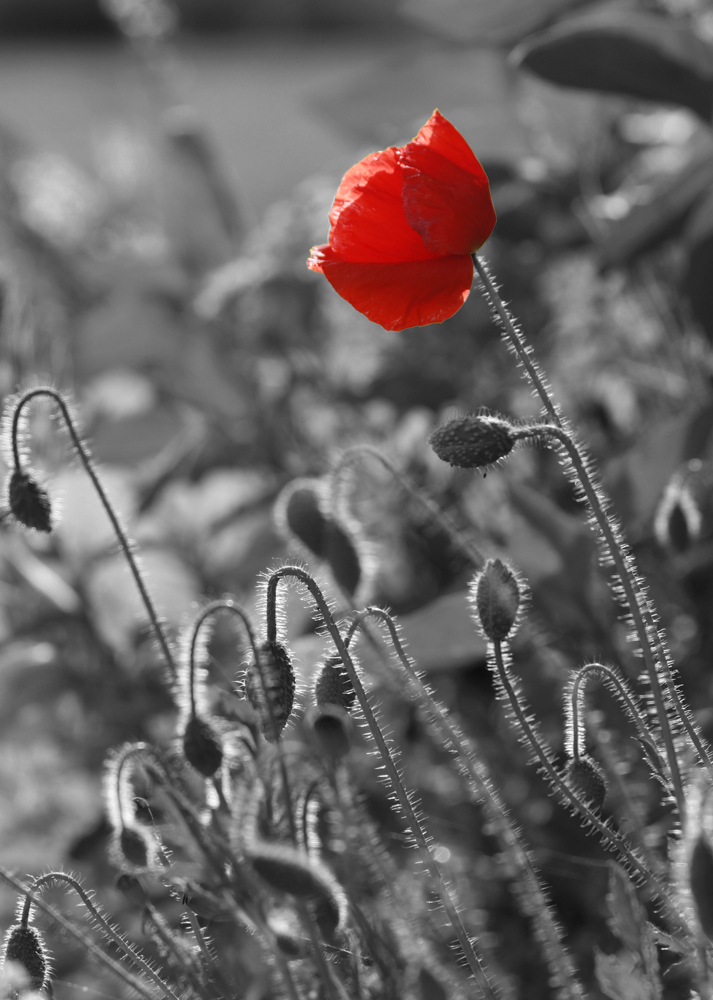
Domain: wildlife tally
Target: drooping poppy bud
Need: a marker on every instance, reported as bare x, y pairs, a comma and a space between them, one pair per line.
278, 677
496, 596
201, 746
133, 848
473, 441
586, 778
29, 502
299, 514
332, 730
700, 873
24, 945
403, 226
332, 686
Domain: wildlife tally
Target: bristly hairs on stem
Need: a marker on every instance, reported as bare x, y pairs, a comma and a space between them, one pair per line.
86, 942
133, 847
97, 918
16, 450
338, 502
628, 586
530, 893
404, 799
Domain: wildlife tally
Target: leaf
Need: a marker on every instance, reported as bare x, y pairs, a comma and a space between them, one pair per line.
625, 52
660, 218
696, 285
620, 978
485, 22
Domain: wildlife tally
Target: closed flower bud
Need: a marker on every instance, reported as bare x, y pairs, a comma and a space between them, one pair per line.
133, 848
496, 594
587, 779
333, 686
29, 502
24, 946
278, 697
202, 747
343, 558
473, 441
700, 873
299, 513
332, 729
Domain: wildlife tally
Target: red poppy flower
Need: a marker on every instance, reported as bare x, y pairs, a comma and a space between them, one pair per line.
403, 226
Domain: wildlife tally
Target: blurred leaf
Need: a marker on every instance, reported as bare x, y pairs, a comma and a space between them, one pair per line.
625, 52
83, 528
698, 242
485, 22
620, 978
647, 225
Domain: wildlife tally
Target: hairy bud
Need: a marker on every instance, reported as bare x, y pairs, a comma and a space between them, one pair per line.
473, 441
299, 513
333, 686
29, 502
133, 848
24, 945
278, 676
588, 780
202, 747
700, 872
496, 593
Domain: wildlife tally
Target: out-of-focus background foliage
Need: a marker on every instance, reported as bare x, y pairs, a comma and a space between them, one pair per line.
164, 170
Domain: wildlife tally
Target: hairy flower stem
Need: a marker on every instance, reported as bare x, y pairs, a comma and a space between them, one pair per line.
633, 593
117, 968
569, 795
532, 896
99, 920
357, 453
89, 468
439, 884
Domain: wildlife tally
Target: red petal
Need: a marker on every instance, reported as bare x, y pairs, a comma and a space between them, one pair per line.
368, 221
400, 295
446, 195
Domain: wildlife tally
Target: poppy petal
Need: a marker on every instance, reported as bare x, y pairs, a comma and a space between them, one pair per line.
442, 137
403, 294
368, 222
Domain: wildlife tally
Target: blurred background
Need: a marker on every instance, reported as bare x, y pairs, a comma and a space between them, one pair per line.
164, 169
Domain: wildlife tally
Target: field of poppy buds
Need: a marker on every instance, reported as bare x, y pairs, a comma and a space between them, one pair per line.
356, 568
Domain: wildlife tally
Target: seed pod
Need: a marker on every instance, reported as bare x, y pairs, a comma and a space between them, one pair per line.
299, 513
588, 780
700, 872
202, 747
333, 686
29, 502
497, 600
332, 730
279, 679
24, 946
473, 441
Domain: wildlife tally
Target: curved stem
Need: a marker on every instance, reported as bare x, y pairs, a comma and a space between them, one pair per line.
569, 796
86, 461
41, 881
536, 904
635, 598
430, 863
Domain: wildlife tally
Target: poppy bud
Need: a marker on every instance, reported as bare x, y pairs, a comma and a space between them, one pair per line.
278, 676
333, 686
299, 513
24, 945
343, 558
332, 730
496, 594
587, 779
473, 441
132, 847
201, 746
29, 502
700, 871
678, 520
130, 886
